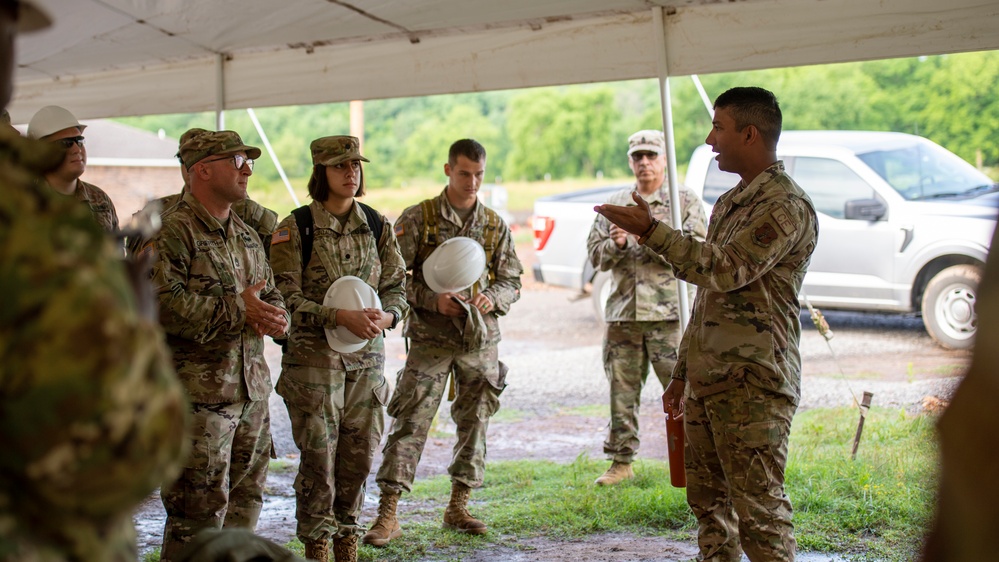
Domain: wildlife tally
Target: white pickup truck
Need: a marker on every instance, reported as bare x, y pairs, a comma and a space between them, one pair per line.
904, 226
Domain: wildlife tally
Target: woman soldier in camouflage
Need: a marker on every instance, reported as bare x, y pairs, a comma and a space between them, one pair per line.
335, 399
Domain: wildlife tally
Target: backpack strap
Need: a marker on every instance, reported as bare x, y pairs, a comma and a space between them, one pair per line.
431, 232
490, 240
303, 217
374, 219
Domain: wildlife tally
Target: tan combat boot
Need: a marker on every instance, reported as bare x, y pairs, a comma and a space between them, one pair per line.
617, 473
345, 548
457, 517
317, 550
386, 526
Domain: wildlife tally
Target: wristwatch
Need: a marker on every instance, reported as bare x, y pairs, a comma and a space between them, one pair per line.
395, 319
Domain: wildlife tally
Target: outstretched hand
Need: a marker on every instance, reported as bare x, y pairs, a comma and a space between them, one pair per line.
636, 219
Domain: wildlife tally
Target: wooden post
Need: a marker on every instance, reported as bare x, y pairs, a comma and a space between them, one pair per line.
865, 405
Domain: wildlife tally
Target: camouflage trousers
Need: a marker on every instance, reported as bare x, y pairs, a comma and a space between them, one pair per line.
735, 456
418, 392
222, 481
629, 348
337, 426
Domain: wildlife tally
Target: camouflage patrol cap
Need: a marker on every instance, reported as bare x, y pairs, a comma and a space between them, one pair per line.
211, 143
648, 140
330, 151
188, 135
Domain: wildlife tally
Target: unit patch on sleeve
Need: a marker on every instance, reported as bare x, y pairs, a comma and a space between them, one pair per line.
399, 229
764, 235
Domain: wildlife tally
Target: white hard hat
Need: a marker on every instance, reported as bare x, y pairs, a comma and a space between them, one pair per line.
455, 265
52, 119
349, 293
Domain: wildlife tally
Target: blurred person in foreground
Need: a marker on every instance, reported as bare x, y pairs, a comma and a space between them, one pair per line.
967, 513
737, 381
217, 300
336, 396
256, 216
642, 310
56, 125
91, 414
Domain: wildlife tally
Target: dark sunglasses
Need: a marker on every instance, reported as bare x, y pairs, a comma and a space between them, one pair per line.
639, 156
237, 159
68, 142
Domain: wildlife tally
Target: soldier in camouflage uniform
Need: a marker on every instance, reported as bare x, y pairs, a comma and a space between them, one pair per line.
91, 414
58, 126
439, 347
643, 323
256, 216
335, 400
738, 377
217, 300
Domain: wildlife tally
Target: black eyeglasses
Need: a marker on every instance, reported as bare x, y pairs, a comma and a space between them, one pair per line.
68, 142
237, 159
639, 156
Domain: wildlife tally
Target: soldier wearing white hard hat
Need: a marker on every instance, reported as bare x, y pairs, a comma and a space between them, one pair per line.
56, 125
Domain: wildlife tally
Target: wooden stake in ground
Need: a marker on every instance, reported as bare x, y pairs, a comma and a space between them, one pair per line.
865, 405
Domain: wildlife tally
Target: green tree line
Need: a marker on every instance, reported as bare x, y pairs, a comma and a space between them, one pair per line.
579, 131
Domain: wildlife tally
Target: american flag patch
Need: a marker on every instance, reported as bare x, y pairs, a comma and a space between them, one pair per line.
282, 235
399, 229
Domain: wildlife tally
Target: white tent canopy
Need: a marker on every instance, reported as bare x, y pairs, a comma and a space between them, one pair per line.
107, 58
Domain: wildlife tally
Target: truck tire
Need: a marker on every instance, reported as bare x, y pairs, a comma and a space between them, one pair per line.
949, 306
599, 292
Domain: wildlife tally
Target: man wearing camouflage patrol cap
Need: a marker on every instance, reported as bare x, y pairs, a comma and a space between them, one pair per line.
217, 300
91, 413
643, 322
261, 219
738, 377
336, 397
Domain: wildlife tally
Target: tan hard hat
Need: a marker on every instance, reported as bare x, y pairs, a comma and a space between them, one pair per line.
349, 293
455, 265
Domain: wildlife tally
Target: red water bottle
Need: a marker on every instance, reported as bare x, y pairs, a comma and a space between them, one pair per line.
674, 444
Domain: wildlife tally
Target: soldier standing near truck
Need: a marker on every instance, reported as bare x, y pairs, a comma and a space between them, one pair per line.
642, 311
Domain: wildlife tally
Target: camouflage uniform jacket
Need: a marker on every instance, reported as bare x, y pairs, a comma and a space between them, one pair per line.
643, 288
259, 218
744, 325
91, 414
200, 270
100, 205
337, 250
425, 324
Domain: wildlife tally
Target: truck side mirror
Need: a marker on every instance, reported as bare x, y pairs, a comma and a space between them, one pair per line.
864, 210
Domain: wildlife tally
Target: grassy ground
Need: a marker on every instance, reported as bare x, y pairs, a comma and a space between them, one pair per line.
876, 507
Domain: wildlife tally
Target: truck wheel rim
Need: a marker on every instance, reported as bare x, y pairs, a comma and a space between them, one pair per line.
956, 311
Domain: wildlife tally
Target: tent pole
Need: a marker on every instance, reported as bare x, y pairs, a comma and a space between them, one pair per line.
220, 92
274, 158
659, 24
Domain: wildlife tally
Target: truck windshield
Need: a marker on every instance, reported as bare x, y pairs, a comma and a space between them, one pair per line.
926, 170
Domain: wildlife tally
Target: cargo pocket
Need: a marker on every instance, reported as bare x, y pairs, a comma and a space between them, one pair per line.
308, 409
757, 450
400, 398
490, 400
382, 393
